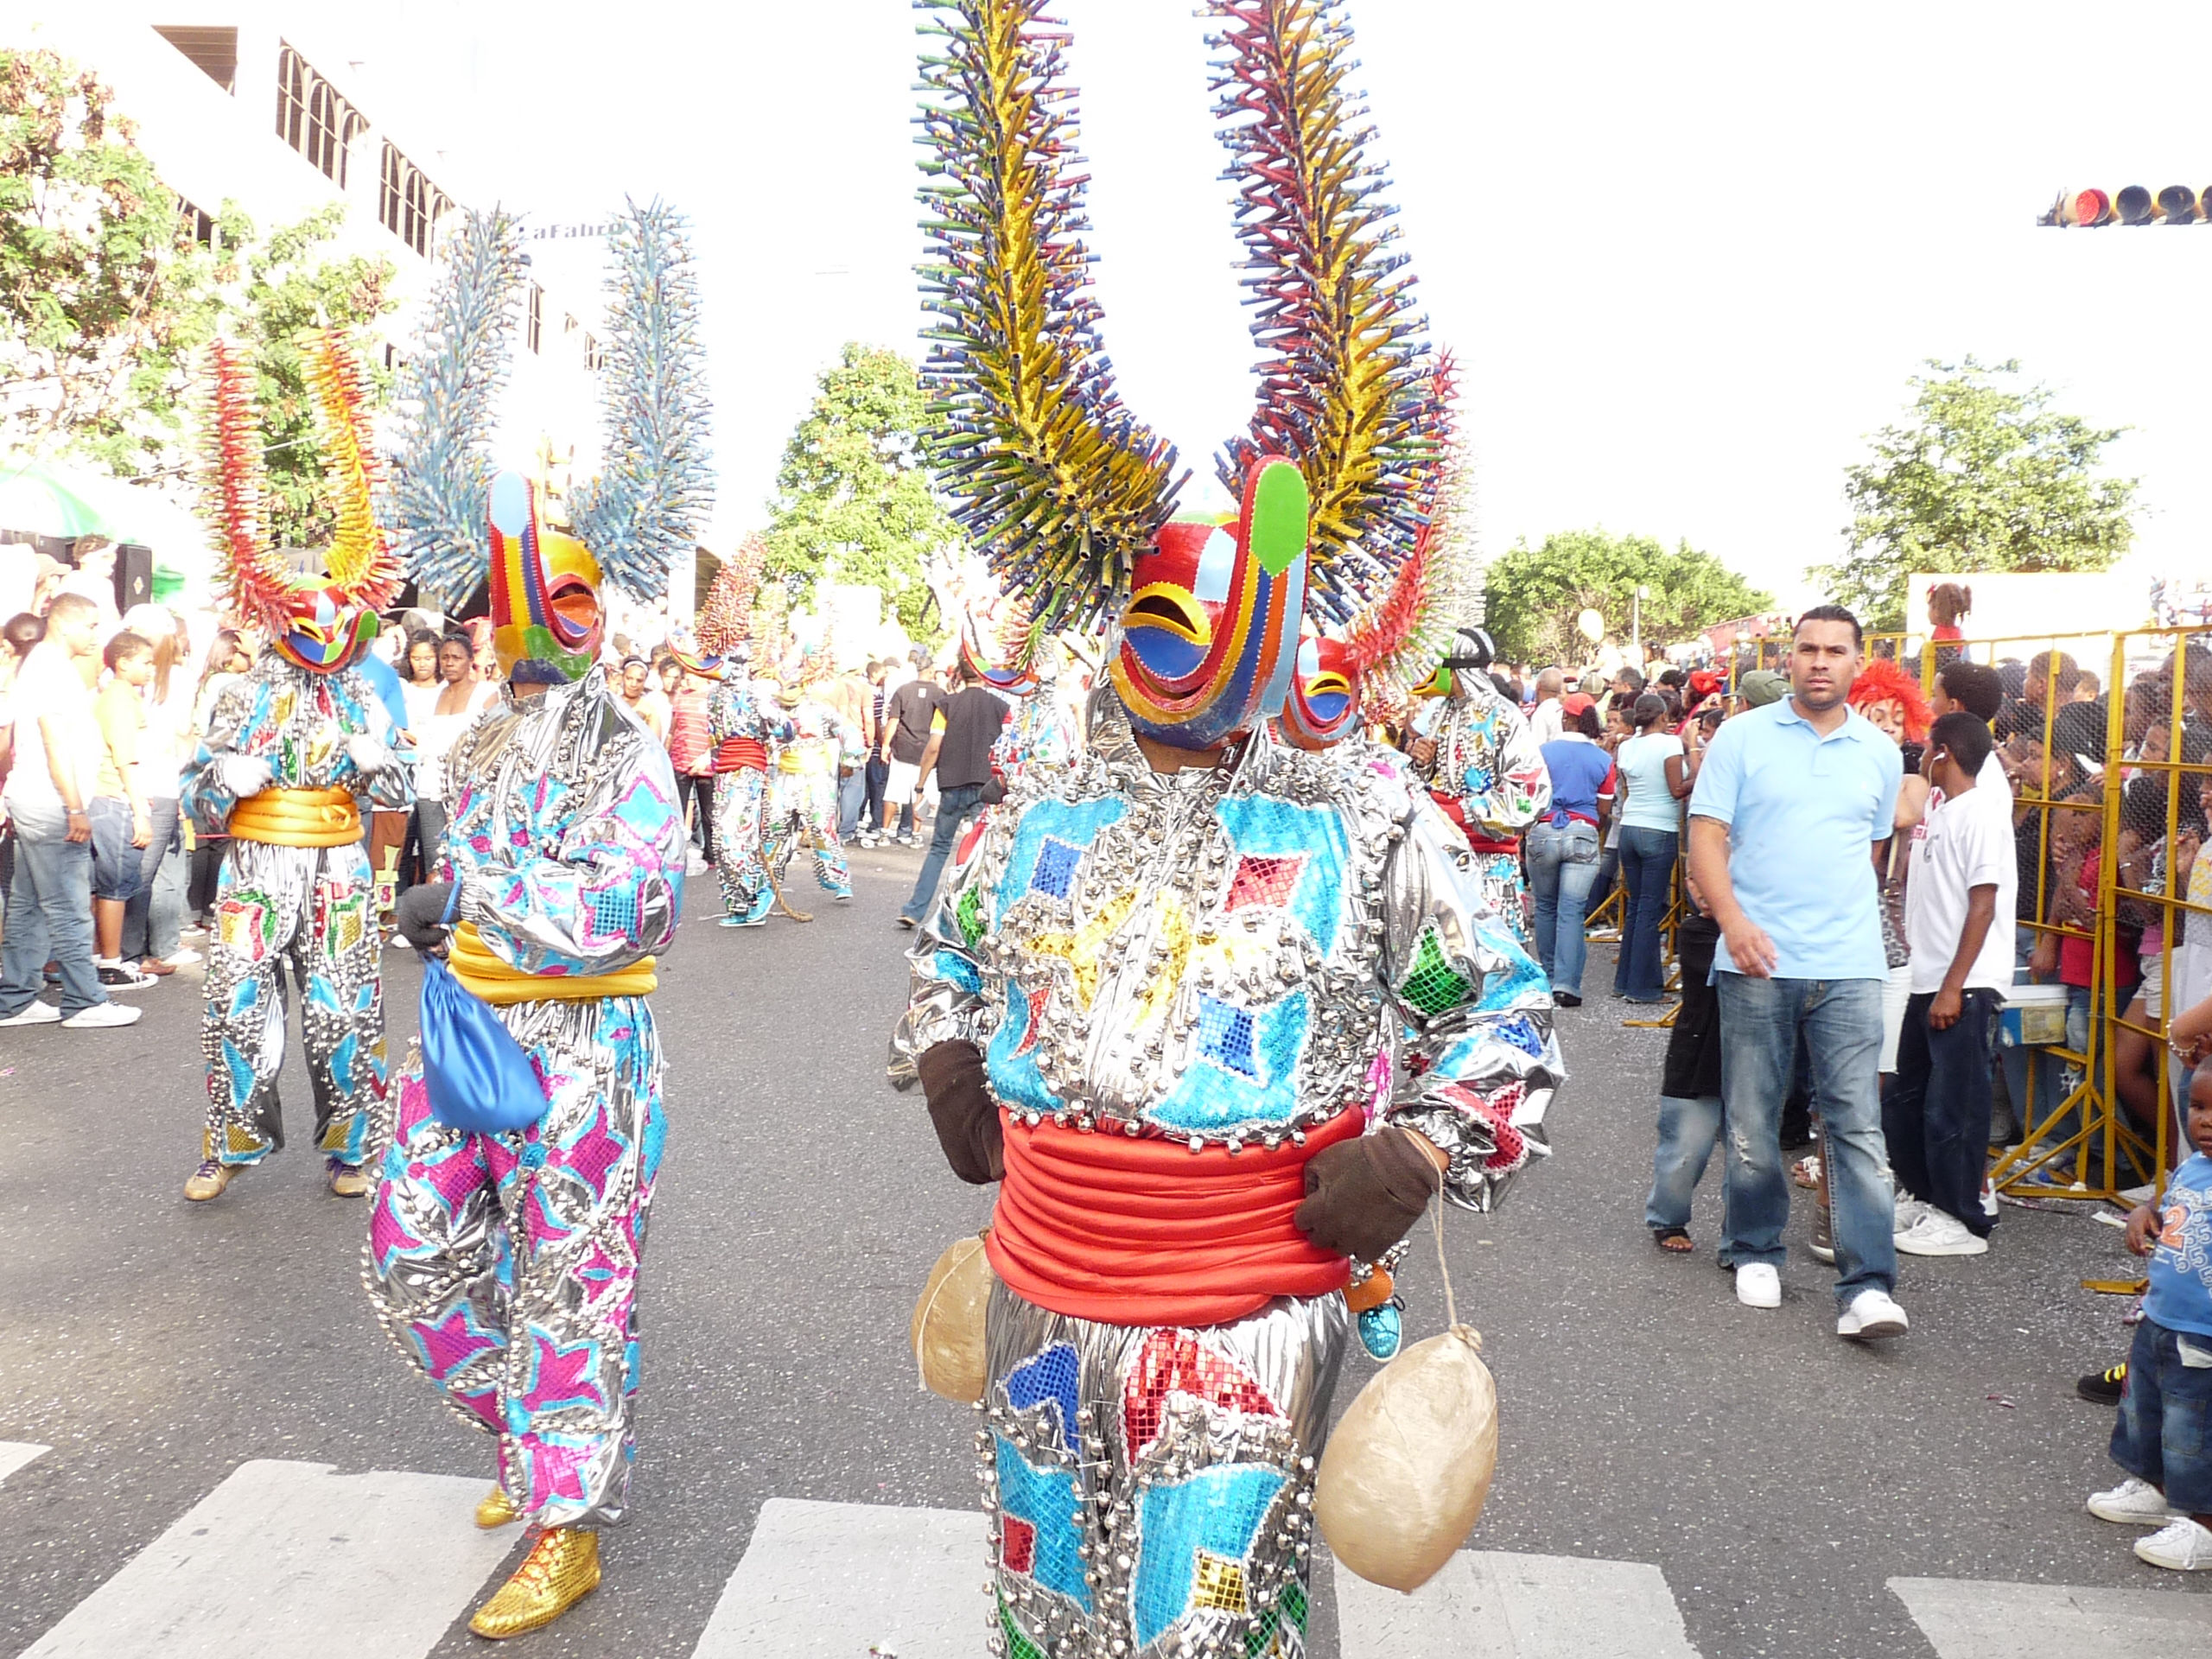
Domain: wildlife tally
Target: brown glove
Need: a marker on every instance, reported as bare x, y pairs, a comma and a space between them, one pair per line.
960, 1107
1363, 1196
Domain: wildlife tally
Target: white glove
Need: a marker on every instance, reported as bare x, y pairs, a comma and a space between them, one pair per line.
367, 753
245, 774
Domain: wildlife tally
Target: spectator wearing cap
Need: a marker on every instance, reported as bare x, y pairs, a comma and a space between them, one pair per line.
1562, 846
1756, 687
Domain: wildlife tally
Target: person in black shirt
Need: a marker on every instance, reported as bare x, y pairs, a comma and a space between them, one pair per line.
907, 722
959, 752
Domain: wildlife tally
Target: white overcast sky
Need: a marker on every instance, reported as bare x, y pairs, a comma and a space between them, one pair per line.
1688, 254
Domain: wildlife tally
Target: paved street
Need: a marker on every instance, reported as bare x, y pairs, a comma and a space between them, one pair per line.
235, 1462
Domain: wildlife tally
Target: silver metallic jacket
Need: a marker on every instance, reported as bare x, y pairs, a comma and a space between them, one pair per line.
1233, 954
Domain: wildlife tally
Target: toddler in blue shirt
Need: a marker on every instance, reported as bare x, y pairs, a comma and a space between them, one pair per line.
2165, 1409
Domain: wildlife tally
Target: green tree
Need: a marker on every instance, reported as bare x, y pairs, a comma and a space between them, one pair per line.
853, 500
1985, 476
1535, 594
104, 293
291, 287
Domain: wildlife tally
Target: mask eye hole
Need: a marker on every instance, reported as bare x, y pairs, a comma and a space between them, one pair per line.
1171, 609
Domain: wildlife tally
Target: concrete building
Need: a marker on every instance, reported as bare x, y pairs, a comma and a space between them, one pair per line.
269, 108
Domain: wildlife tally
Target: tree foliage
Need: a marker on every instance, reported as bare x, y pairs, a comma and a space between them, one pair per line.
853, 500
1535, 594
1984, 477
104, 294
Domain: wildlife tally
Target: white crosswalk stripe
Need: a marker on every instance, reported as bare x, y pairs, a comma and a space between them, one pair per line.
1488, 1605
1971, 1620
13, 1454
284, 1559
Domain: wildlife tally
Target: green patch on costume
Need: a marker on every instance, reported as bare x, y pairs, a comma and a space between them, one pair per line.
1433, 985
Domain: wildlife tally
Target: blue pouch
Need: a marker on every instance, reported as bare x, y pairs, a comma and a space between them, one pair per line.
478, 1077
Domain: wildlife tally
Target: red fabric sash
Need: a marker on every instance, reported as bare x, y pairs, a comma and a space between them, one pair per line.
741, 754
1139, 1230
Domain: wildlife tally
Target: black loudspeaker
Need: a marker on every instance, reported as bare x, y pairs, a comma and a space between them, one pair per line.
134, 576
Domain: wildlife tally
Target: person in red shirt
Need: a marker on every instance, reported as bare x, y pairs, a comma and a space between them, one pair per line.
691, 747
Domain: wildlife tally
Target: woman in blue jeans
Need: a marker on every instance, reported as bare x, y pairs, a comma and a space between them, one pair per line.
1654, 778
1561, 847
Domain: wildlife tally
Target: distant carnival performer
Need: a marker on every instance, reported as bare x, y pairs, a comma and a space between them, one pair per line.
292, 756
1221, 1013
504, 1265
802, 807
742, 731
1483, 764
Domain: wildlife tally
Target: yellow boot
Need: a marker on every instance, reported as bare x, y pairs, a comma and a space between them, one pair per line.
561, 1570
497, 1509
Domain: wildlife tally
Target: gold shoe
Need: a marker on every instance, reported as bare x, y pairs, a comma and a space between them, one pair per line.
208, 1180
560, 1571
497, 1510
347, 1180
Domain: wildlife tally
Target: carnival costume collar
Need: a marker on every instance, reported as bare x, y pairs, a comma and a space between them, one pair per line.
457, 526
1343, 478
325, 624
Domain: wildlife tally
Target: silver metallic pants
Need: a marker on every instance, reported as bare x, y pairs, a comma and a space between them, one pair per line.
738, 806
310, 909
803, 806
1150, 1489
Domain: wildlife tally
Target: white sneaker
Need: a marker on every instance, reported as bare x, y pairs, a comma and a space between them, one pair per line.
33, 1012
1989, 1199
1758, 1285
101, 1016
2134, 1502
399, 942
1937, 1234
2183, 1544
181, 958
1873, 1314
1910, 1211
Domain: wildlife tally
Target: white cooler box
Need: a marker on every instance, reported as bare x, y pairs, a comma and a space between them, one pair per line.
2032, 1016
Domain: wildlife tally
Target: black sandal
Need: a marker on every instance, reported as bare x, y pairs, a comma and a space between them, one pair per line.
1665, 1238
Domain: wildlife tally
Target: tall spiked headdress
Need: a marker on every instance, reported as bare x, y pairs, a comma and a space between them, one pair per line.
320, 624
1070, 498
459, 525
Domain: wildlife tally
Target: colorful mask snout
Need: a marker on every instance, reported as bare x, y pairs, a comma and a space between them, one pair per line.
545, 604
1210, 634
324, 630
1324, 703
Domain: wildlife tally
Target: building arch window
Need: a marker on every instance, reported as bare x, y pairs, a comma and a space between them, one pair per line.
313, 117
408, 205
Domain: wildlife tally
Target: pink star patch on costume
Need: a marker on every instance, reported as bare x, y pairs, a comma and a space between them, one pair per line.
450, 1343
556, 1472
562, 1375
390, 1236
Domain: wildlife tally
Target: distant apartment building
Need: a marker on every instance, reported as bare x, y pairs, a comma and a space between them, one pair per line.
269, 111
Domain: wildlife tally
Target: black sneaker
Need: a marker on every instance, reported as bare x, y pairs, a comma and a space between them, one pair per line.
1565, 1000
2103, 1387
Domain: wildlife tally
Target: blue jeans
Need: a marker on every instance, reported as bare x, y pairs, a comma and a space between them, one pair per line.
49, 915
151, 921
954, 807
116, 862
1936, 1121
852, 789
1840, 1023
1648, 874
1688, 1130
1563, 863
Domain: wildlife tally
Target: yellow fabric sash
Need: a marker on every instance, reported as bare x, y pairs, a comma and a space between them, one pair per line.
495, 981
298, 817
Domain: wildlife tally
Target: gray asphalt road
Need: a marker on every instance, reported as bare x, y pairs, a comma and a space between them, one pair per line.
1778, 1476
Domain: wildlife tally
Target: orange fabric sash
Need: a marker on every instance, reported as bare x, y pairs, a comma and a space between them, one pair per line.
1139, 1230
297, 817
741, 754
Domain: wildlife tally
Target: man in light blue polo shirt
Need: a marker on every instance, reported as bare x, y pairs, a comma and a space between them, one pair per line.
1791, 800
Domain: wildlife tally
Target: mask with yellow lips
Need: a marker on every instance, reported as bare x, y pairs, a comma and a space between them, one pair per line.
545, 603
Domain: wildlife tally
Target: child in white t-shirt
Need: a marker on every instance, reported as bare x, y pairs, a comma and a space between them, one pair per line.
1958, 919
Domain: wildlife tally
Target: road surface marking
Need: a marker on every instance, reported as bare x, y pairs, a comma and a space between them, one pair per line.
13, 1454
844, 1580
1487, 1605
1966, 1618
290, 1558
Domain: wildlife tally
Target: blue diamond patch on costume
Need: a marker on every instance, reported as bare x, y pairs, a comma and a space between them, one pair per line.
1225, 1033
1216, 1513
1049, 1500
1054, 871
1047, 1377
1244, 1073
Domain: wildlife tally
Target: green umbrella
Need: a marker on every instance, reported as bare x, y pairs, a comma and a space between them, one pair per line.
34, 500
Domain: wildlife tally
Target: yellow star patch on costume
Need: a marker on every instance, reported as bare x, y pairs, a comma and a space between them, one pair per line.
1082, 949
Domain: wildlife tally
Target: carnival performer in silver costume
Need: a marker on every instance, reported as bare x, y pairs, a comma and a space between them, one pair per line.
742, 731
292, 757
1481, 761
504, 1266
802, 804
1220, 1014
